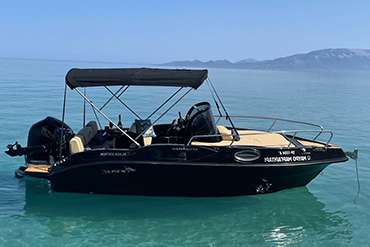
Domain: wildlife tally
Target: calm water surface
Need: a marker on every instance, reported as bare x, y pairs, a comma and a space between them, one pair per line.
330, 211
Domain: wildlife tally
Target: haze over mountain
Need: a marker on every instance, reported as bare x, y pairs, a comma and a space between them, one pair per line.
358, 59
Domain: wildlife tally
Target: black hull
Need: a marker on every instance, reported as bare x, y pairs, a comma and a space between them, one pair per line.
178, 180
119, 175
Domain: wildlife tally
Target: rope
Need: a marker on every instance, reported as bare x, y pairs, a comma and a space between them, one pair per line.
354, 155
358, 177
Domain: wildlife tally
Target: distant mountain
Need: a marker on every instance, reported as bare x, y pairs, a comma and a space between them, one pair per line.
246, 61
196, 63
321, 59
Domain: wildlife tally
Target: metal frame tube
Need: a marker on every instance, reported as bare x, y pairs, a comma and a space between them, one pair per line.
109, 100
101, 113
84, 117
186, 93
164, 103
222, 105
123, 103
63, 116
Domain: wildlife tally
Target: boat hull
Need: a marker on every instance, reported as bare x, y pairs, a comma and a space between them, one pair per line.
176, 177
183, 180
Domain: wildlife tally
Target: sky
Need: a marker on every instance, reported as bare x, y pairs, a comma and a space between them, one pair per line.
158, 31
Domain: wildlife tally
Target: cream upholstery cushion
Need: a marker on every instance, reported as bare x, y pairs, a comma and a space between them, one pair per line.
76, 145
253, 138
78, 142
147, 140
225, 131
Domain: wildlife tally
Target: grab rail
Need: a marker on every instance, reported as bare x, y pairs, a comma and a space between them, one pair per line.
275, 132
275, 120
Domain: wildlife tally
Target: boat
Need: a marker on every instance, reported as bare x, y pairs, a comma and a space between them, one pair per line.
193, 156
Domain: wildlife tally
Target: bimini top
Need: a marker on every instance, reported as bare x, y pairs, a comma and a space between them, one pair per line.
138, 77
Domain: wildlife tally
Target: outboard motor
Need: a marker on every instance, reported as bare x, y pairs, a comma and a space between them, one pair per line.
43, 141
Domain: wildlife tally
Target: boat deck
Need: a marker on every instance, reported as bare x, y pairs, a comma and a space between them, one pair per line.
39, 171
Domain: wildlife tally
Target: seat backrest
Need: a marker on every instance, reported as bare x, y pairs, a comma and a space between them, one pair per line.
133, 128
83, 137
88, 132
93, 125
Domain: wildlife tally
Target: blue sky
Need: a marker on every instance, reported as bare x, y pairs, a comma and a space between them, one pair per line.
161, 31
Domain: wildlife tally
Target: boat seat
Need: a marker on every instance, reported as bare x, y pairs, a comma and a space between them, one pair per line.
133, 128
83, 137
148, 135
88, 132
93, 125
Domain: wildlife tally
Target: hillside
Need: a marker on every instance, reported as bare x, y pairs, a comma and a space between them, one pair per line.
321, 59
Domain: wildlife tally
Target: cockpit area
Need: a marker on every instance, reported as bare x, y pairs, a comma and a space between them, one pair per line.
198, 121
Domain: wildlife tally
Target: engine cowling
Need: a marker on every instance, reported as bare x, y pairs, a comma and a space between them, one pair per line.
47, 133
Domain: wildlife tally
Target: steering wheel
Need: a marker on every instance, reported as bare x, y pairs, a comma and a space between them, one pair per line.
176, 126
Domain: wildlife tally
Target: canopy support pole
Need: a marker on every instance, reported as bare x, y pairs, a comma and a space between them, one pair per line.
84, 117
96, 116
106, 103
223, 107
164, 102
63, 116
123, 103
216, 103
101, 113
186, 93
177, 101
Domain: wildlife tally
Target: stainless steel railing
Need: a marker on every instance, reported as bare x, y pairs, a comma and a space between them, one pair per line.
275, 120
291, 140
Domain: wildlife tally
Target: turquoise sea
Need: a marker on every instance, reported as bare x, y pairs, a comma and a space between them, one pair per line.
330, 211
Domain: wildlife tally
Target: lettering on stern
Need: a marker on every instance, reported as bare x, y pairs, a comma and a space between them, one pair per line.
126, 169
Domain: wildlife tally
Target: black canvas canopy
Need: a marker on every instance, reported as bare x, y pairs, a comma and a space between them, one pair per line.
135, 76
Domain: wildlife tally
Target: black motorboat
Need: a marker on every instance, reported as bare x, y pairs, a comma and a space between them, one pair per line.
192, 156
